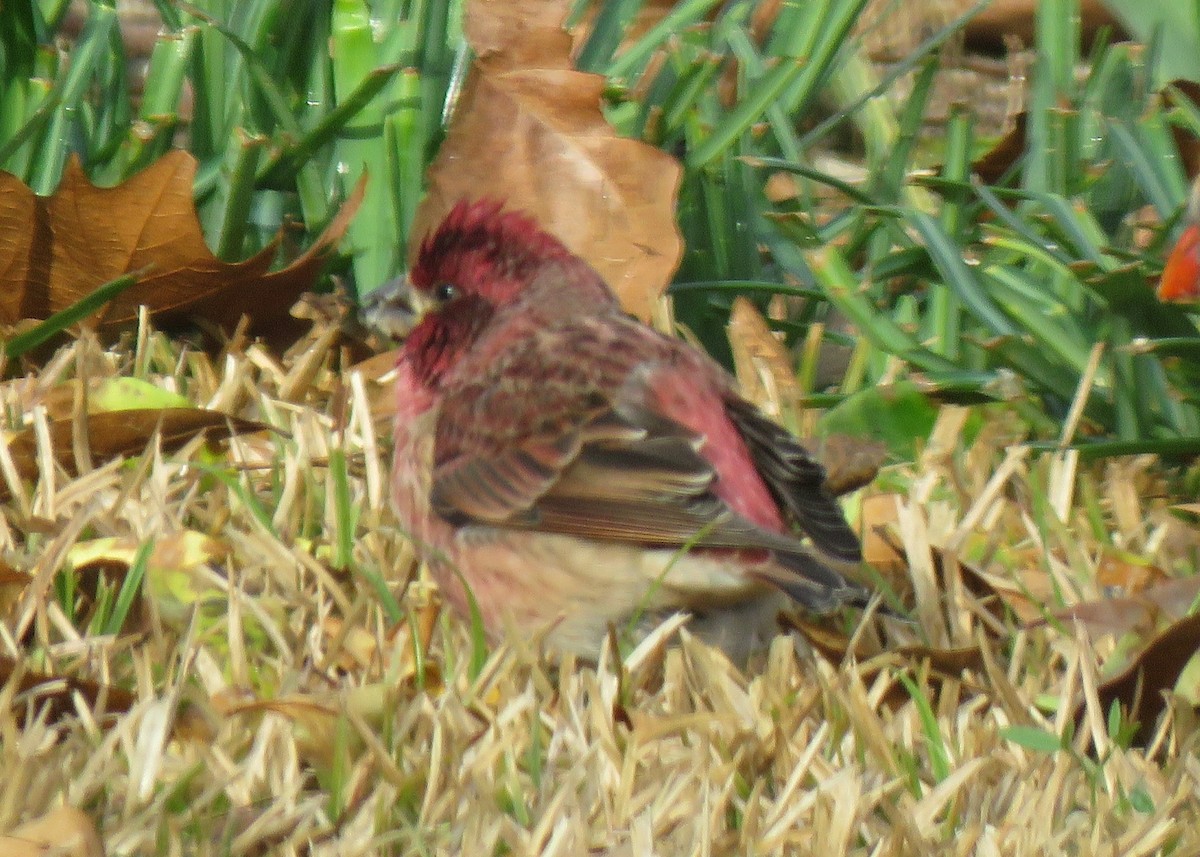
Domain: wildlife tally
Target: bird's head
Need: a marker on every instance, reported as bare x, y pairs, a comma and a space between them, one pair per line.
479, 263
483, 251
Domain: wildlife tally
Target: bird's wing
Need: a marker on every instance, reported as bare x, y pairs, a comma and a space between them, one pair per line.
558, 434
797, 481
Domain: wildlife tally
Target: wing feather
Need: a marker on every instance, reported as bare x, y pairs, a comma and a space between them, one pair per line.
531, 442
797, 480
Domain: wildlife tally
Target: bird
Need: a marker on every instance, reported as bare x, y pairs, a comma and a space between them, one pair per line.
1180, 281
565, 469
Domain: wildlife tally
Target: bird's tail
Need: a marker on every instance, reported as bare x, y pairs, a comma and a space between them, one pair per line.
817, 587
811, 583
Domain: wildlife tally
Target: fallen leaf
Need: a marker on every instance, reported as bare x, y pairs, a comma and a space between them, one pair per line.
1127, 573
850, 462
1185, 141
1171, 600
1003, 20
314, 716
763, 365
57, 693
992, 594
171, 578
124, 393
520, 32
895, 414
528, 130
1139, 688
1004, 153
115, 433
115, 393
12, 583
942, 664
55, 250
835, 646
62, 832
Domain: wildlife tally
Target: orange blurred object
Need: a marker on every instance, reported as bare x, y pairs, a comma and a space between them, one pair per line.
1180, 281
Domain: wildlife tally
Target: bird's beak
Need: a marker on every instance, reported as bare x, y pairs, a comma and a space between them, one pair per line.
393, 309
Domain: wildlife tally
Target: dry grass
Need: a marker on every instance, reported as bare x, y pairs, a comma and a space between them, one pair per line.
278, 710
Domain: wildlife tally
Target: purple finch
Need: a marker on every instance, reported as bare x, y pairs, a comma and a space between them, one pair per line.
575, 468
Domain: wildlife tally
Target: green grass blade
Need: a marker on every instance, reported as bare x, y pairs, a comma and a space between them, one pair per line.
61, 320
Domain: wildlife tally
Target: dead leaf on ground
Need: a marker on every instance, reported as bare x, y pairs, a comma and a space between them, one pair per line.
1003, 20
12, 583
63, 832
115, 433
528, 130
37, 691
762, 363
1127, 573
835, 647
1186, 142
1004, 154
1140, 687
1171, 600
314, 715
850, 462
171, 579
357, 649
55, 250
943, 664
885, 553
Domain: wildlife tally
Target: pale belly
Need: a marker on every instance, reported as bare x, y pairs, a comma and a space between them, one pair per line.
572, 589
575, 589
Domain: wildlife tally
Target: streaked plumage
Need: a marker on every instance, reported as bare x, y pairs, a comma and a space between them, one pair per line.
558, 456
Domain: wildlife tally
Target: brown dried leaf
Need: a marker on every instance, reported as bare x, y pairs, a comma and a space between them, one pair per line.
885, 553
942, 666
528, 130
1185, 141
314, 716
520, 33
116, 433
999, 159
880, 514
1139, 688
55, 250
12, 583
1003, 20
850, 462
1171, 600
57, 692
834, 646
1127, 573
763, 365
63, 832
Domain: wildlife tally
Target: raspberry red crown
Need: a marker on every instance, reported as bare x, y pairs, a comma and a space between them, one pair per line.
481, 248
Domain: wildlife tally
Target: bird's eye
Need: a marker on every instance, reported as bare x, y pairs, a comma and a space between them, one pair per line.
445, 292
